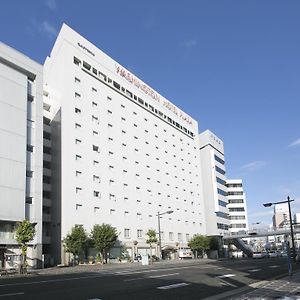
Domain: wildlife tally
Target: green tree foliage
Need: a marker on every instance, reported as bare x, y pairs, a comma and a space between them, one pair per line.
152, 239
76, 241
199, 243
213, 243
24, 234
104, 237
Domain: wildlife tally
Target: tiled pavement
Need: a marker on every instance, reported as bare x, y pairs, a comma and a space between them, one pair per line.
284, 288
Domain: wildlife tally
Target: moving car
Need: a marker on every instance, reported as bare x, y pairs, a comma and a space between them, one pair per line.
259, 254
274, 253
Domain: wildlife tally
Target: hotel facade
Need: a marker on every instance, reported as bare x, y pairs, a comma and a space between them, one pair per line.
116, 151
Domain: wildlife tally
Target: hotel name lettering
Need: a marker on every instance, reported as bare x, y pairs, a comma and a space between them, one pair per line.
150, 92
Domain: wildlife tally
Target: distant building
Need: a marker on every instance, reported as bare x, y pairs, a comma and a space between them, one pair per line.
237, 206
281, 215
214, 183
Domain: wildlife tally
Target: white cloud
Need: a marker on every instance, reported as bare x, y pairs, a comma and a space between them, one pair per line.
50, 4
295, 143
49, 29
253, 166
189, 43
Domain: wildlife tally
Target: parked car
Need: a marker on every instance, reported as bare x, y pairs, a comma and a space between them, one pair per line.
259, 254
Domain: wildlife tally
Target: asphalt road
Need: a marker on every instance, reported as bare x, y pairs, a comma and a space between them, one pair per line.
187, 280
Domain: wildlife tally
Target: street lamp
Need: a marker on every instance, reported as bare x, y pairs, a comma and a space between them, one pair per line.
159, 233
291, 223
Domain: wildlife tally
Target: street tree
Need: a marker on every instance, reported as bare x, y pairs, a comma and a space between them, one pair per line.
151, 239
104, 237
75, 242
199, 243
24, 234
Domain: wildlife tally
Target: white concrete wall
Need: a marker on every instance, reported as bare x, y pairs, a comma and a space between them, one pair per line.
20, 125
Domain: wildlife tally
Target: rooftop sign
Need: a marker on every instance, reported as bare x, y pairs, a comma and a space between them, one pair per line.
151, 93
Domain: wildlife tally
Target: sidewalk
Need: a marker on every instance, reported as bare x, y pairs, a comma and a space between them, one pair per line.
285, 288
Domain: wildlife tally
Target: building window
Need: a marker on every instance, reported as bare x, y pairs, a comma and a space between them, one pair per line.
30, 148
218, 159
180, 237
77, 61
78, 141
97, 194
96, 209
96, 148
78, 190
28, 200
78, 206
139, 216
112, 212
77, 125
78, 173
139, 233
221, 192
112, 197
77, 95
29, 173
171, 236
78, 157
126, 233
96, 178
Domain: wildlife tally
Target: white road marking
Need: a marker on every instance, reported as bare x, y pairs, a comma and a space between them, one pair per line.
273, 267
223, 282
173, 286
226, 276
254, 270
151, 277
12, 294
163, 275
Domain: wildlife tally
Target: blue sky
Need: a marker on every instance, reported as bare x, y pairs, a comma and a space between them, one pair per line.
232, 65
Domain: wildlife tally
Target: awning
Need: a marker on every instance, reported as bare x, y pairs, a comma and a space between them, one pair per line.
168, 248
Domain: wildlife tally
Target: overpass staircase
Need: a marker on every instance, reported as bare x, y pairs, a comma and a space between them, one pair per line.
240, 244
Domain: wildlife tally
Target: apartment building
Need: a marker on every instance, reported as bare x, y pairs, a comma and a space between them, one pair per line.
237, 206
21, 153
281, 215
120, 151
214, 183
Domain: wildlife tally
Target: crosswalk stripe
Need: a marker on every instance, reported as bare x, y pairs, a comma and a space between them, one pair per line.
173, 286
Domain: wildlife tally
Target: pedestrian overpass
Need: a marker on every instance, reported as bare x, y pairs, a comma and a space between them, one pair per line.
236, 239
262, 233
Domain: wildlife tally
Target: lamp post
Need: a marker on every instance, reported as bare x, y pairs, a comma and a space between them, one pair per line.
159, 232
288, 201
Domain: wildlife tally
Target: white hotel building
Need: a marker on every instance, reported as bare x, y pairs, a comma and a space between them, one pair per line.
121, 152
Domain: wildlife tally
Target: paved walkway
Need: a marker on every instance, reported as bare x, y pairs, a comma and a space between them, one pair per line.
284, 288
